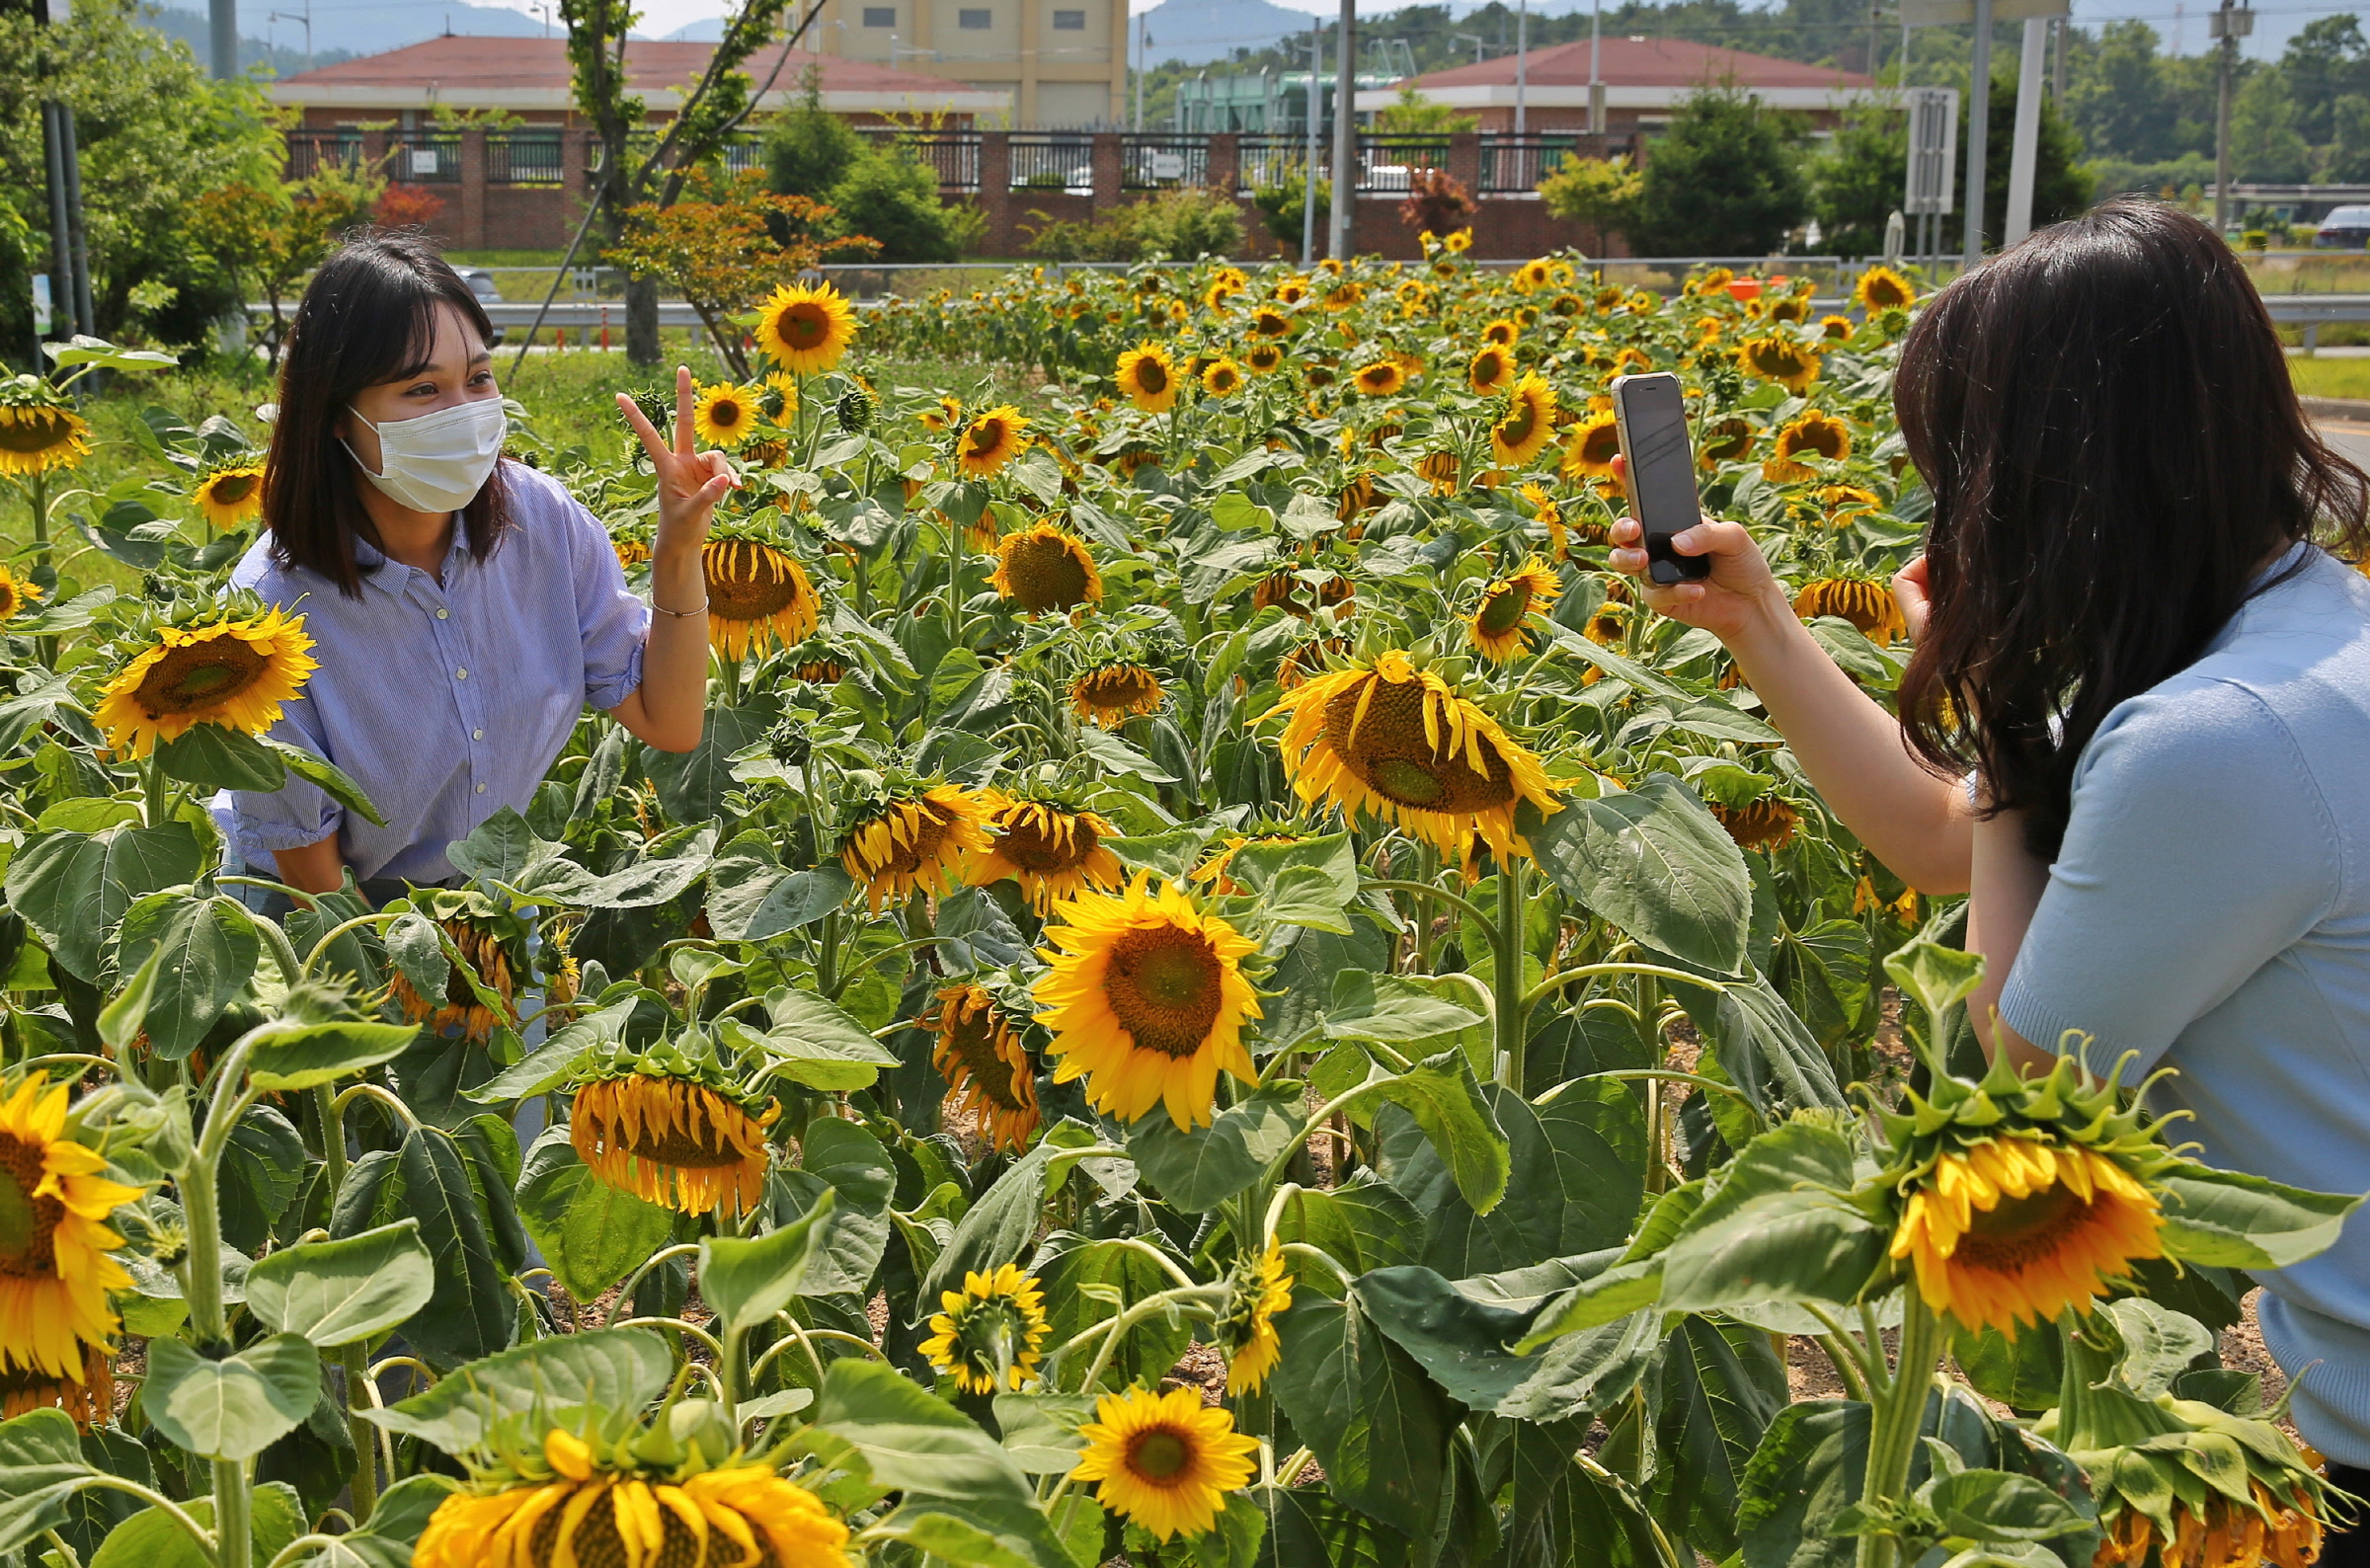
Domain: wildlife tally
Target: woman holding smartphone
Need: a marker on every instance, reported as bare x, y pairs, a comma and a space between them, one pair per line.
2136, 727
466, 610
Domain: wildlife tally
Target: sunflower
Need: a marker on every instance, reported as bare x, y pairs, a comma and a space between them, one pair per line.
15, 593
88, 1396
915, 842
2014, 1229
1490, 369
1523, 431
991, 1080
1401, 744
1781, 358
54, 1268
1050, 851
1111, 694
1283, 590
991, 441
1342, 295
1443, 470
1550, 515
673, 1141
1246, 1327
571, 1510
1789, 308
1500, 334
1811, 433
1835, 329
1271, 323
1531, 277
38, 432
1497, 624
766, 452
1263, 359
1040, 569
1163, 1460
806, 329
1149, 377
1764, 824
1384, 378
1840, 504
725, 414
1713, 280
987, 1335
1457, 241
757, 595
234, 673
230, 496
493, 947
2217, 1534
1146, 1000
1869, 606
1222, 377
1880, 289
1590, 446
1724, 441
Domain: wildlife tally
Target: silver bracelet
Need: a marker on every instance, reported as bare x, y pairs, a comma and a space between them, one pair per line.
680, 615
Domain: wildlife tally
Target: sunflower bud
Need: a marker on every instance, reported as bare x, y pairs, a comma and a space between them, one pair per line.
855, 410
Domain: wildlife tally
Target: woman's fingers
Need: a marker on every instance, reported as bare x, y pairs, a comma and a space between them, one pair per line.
1913, 590
684, 446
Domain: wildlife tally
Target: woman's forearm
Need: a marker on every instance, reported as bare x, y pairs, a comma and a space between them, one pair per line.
1851, 750
675, 660
2007, 883
316, 867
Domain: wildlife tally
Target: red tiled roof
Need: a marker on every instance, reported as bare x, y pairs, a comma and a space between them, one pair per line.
1643, 63
496, 64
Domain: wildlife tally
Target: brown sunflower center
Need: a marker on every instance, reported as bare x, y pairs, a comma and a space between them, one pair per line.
920, 846
1164, 986
805, 325
1601, 445
596, 1540
1821, 436
1031, 844
1160, 1455
35, 429
1151, 375
198, 677
1390, 756
974, 1040
27, 1222
1046, 572
2020, 1232
1503, 608
1727, 439
229, 489
986, 438
695, 1139
749, 580
1520, 420
725, 414
1111, 690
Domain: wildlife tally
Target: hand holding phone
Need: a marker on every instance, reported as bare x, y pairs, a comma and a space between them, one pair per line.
1650, 417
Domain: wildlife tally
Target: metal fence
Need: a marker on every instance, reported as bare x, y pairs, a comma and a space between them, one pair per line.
424, 157
1052, 163
1516, 164
953, 155
525, 159
1388, 165
1160, 163
309, 152
1266, 161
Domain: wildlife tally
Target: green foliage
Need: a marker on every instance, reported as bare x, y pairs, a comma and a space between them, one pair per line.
1857, 183
1180, 224
893, 197
1602, 193
809, 150
1412, 113
1283, 207
1724, 180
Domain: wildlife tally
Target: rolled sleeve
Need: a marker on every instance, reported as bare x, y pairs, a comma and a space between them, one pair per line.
2198, 850
611, 620
297, 813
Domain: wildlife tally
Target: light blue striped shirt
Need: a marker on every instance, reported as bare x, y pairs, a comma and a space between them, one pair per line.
2210, 911
447, 703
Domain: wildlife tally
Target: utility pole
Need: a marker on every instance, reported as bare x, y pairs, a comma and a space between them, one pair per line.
2023, 159
1345, 133
1595, 68
1143, 40
1979, 124
2231, 22
1315, 103
69, 258
1522, 63
222, 36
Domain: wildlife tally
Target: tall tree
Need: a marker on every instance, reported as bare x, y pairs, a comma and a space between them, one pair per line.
2326, 59
1725, 179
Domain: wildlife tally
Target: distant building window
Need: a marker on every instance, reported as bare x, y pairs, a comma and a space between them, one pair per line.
1069, 22
880, 16
974, 21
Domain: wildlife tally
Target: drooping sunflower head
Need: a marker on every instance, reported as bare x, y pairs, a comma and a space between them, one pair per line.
991, 1082
1165, 1462
1112, 693
725, 414
40, 431
1788, 308
1270, 322
15, 593
1042, 568
920, 839
1764, 824
1384, 378
806, 328
1724, 441
1257, 1291
759, 595
1491, 370
1402, 744
1263, 358
1497, 627
1780, 358
1880, 289
1590, 446
943, 415
1146, 1000
1222, 377
88, 1397
1148, 377
1711, 281
1290, 592
1523, 431
682, 1140
232, 673
55, 1270
1867, 604
987, 1335
231, 495
1053, 849
478, 991
1443, 470
574, 1503
1836, 329
1810, 434
991, 441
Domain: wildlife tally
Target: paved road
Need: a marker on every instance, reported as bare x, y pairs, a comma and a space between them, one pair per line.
2351, 441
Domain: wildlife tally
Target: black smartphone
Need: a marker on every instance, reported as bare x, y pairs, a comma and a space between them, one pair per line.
1650, 417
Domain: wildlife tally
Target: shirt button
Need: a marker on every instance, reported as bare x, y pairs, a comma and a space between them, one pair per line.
444, 615
477, 734
481, 789
460, 675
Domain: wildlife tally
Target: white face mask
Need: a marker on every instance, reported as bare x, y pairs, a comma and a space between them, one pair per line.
437, 462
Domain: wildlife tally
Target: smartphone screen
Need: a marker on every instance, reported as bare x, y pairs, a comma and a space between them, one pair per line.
1650, 417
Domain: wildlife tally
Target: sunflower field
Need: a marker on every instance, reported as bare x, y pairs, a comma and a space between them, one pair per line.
1216, 993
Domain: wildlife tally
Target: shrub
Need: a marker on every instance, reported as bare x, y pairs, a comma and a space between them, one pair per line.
405, 206
1437, 203
893, 197
1184, 223
1725, 179
1602, 193
1280, 205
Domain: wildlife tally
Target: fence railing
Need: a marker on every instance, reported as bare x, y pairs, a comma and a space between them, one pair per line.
525, 159
1388, 165
1053, 163
424, 157
309, 152
953, 155
1263, 161
1512, 164
1160, 163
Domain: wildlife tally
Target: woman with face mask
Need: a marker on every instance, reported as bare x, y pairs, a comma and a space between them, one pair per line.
465, 608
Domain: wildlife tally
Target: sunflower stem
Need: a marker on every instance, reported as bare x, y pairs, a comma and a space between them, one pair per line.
356, 1357
234, 1546
1897, 1416
156, 789
1509, 953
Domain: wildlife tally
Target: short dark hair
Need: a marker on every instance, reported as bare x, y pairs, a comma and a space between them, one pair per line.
2106, 421
368, 316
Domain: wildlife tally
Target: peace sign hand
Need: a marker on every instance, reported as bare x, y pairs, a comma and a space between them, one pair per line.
690, 482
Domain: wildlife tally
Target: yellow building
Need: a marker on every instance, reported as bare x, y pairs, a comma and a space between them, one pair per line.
1064, 62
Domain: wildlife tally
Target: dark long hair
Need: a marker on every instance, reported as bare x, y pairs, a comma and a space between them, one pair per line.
2104, 417
368, 316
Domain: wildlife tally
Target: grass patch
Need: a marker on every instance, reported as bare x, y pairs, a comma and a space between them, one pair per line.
2331, 378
